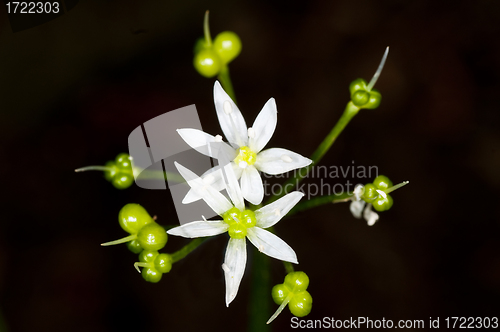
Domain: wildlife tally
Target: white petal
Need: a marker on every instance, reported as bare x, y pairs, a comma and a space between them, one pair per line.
271, 245
215, 180
212, 197
230, 179
358, 191
201, 141
370, 216
200, 229
356, 208
251, 185
264, 126
231, 121
234, 267
270, 214
276, 161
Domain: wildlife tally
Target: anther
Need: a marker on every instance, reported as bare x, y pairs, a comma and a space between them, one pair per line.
286, 158
243, 164
228, 109
251, 132
218, 138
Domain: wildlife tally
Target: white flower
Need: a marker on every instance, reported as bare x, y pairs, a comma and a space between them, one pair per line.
239, 223
358, 204
245, 149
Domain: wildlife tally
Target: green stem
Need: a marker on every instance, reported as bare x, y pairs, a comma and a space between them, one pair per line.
225, 80
288, 267
186, 250
350, 111
260, 304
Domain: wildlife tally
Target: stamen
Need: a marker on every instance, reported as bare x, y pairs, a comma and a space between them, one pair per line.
286, 158
261, 248
218, 138
243, 164
251, 132
225, 268
383, 194
228, 109
277, 212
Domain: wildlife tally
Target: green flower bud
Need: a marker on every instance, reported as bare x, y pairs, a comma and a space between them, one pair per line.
297, 281
134, 246
151, 274
279, 293
300, 304
383, 203
228, 45
207, 62
370, 193
133, 217
163, 263
382, 182
152, 237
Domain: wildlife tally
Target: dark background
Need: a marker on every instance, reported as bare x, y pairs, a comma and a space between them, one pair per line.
72, 89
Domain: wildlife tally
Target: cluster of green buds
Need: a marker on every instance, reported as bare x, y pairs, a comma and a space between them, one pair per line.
211, 58
293, 292
377, 193
363, 95
146, 238
118, 172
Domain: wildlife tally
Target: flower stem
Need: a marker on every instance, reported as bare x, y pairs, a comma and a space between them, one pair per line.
350, 111
186, 250
206, 30
288, 267
225, 80
260, 304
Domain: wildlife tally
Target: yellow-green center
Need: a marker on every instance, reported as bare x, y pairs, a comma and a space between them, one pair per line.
239, 222
245, 157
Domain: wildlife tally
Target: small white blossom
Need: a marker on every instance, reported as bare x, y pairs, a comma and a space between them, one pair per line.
246, 147
236, 254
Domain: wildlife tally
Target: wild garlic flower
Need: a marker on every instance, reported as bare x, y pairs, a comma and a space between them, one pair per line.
240, 223
246, 154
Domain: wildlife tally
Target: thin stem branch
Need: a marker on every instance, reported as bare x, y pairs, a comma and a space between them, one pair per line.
186, 250
350, 111
288, 267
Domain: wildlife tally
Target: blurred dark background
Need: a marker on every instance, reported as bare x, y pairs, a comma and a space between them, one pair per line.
73, 88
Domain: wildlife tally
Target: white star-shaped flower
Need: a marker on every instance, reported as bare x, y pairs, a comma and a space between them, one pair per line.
246, 144
240, 223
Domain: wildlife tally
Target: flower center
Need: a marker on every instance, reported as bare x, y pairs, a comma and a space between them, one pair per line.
239, 222
245, 157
